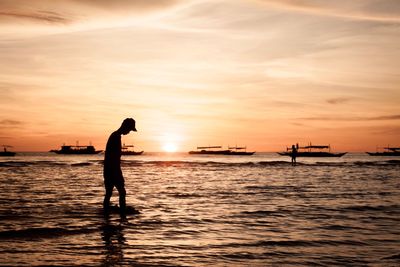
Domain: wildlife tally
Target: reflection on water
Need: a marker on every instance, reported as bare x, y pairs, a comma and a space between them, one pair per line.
114, 243
202, 211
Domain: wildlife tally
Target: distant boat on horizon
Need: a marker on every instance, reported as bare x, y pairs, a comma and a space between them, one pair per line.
211, 150
76, 150
312, 151
387, 151
125, 150
6, 153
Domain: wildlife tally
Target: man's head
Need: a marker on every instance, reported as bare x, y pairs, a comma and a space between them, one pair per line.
128, 125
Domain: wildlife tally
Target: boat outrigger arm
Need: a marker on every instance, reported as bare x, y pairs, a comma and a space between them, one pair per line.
236, 148
317, 147
207, 147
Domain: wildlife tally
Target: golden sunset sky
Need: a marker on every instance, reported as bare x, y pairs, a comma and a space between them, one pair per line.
261, 73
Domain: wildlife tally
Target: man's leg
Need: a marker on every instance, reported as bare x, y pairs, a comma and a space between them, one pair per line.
122, 198
106, 203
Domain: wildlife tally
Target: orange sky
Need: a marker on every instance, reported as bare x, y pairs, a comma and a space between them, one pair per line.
264, 73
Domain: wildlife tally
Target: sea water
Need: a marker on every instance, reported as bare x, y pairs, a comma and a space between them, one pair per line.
201, 210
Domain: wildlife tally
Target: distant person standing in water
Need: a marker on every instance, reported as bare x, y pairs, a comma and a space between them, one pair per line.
294, 154
112, 166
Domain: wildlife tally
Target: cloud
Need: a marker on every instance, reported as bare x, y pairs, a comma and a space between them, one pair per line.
298, 124
380, 118
338, 100
10, 122
44, 16
377, 118
68, 11
370, 10
124, 4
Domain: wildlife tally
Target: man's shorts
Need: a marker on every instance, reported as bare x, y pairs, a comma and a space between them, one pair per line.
113, 178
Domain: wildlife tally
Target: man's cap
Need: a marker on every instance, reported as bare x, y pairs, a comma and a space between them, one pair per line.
130, 124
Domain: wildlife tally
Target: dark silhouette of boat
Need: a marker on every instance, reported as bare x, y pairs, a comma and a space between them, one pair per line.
217, 150
76, 150
388, 151
125, 150
209, 150
312, 151
6, 153
240, 151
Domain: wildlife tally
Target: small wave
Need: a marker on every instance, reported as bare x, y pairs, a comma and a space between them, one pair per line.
30, 163
336, 227
372, 208
392, 257
267, 255
306, 243
260, 213
81, 164
277, 162
272, 187
42, 163
186, 195
393, 161
16, 163
162, 162
43, 232
294, 243
377, 163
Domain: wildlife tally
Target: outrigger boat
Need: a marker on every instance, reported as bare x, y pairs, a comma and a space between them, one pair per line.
210, 150
217, 150
311, 151
125, 150
6, 153
388, 151
241, 151
77, 149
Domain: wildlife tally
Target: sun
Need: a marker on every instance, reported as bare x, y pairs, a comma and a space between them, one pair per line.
170, 141
170, 147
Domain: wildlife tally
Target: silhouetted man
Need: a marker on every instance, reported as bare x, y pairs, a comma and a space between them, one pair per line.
294, 154
112, 166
